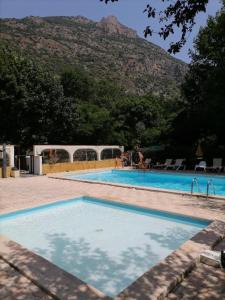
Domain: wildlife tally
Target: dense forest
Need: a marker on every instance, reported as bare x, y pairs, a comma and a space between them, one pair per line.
71, 107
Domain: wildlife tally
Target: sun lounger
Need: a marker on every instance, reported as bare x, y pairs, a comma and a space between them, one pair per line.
217, 165
177, 165
201, 166
166, 163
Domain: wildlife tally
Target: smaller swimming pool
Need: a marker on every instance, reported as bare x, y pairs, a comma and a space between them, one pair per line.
106, 244
156, 179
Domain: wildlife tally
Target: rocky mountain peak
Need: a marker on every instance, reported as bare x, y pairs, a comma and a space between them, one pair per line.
107, 49
113, 26
110, 20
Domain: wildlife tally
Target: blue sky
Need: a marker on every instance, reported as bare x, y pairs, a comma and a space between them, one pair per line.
129, 12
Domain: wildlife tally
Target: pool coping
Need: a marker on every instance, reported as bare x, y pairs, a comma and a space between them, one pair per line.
156, 283
136, 187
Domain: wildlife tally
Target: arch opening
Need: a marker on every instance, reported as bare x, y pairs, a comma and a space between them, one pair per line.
110, 153
54, 156
85, 155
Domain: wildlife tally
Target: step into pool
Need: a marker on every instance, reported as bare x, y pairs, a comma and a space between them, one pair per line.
105, 244
155, 179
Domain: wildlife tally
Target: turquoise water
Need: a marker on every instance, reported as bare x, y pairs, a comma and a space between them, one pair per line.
168, 181
106, 245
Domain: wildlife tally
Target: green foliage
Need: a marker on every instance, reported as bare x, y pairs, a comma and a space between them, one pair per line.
138, 120
93, 124
33, 108
76, 83
38, 107
204, 90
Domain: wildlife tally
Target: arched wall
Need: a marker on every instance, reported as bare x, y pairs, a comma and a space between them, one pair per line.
37, 149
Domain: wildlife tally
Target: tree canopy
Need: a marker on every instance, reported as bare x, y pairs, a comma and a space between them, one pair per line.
33, 108
36, 106
176, 14
204, 88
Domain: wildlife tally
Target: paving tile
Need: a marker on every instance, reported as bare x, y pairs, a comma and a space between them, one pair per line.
19, 193
14, 286
203, 283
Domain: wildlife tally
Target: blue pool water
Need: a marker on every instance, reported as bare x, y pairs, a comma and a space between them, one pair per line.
106, 245
162, 180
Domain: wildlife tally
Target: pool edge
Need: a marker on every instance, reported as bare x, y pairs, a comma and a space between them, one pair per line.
136, 187
108, 202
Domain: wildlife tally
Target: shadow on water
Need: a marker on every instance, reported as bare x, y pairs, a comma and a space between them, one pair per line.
95, 266
172, 238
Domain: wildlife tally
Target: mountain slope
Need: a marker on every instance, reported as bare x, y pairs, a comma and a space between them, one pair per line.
106, 49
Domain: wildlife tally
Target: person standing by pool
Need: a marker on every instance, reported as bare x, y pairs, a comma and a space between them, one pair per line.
124, 159
141, 159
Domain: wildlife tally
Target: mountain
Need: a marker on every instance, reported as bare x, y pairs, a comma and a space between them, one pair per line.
106, 49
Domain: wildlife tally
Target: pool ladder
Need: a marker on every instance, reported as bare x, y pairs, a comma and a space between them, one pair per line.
208, 185
193, 183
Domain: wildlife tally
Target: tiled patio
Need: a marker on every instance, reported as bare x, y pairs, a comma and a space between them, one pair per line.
21, 193
203, 283
13, 285
32, 191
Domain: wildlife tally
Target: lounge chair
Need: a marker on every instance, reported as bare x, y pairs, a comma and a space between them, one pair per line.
177, 165
202, 166
217, 165
164, 166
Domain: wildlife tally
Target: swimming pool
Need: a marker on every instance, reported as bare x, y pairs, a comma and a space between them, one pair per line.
156, 179
105, 244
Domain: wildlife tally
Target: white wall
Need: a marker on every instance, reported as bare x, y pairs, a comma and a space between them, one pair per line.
38, 165
37, 149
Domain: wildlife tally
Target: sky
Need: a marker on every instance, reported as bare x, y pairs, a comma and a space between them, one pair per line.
128, 12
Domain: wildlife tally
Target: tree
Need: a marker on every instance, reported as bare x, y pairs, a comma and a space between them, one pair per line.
138, 120
33, 108
77, 84
93, 124
204, 88
178, 13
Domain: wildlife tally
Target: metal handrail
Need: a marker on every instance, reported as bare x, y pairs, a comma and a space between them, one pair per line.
194, 182
210, 183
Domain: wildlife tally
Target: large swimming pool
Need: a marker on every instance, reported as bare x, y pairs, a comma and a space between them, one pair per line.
106, 245
155, 179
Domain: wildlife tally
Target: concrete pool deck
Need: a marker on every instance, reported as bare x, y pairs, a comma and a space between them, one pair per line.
27, 192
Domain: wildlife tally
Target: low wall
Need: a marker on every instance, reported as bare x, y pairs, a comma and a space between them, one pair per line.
7, 173
80, 165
